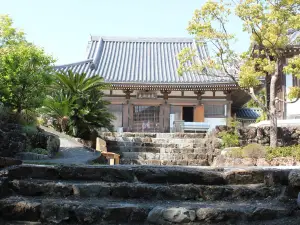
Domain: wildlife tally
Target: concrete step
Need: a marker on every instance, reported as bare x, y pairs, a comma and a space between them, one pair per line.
124, 190
152, 174
163, 156
100, 211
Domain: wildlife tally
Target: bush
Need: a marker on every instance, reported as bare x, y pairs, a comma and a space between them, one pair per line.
229, 139
254, 151
39, 151
289, 151
29, 130
235, 153
4, 113
27, 117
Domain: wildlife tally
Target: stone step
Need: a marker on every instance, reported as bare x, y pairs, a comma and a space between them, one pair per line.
158, 162
152, 174
163, 156
111, 144
120, 149
124, 190
83, 211
154, 135
159, 140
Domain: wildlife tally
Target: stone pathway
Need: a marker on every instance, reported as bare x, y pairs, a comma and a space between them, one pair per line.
71, 152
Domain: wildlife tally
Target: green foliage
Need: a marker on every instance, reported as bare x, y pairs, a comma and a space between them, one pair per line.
229, 139
8, 34
294, 93
4, 113
267, 23
232, 123
29, 131
25, 73
263, 116
288, 151
76, 104
235, 153
38, 151
254, 151
261, 95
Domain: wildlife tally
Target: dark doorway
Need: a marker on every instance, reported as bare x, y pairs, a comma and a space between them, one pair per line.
188, 114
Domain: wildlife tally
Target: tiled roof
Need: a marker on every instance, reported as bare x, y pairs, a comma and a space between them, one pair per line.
142, 60
248, 113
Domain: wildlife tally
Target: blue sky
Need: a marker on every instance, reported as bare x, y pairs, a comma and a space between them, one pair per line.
63, 27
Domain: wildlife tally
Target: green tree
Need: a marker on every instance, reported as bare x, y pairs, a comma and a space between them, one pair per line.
25, 73
8, 34
269, 24
25, 70
77, 98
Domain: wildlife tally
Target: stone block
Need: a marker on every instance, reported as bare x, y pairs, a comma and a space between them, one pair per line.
134, 155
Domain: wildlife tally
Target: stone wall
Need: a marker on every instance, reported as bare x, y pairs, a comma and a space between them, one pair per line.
223, 161
14, 140
286, 136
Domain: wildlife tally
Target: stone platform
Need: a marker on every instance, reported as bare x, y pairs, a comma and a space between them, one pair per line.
160, 195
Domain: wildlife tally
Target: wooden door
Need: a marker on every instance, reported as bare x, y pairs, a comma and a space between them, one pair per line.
199, 113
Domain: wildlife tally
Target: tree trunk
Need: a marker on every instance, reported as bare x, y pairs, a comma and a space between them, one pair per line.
273, 111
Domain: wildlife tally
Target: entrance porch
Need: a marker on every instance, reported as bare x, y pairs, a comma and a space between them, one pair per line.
159, 115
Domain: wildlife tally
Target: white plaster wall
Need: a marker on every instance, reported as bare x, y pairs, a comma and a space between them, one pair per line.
292, 109
215, 122
220, 93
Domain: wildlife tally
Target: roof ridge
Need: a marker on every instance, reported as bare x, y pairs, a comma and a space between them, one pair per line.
142, 39
75, 63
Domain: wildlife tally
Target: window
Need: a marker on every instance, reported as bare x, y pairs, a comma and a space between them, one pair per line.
214, 110
146, 118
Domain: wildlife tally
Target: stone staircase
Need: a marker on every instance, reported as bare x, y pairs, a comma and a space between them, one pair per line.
184, 149
126, 194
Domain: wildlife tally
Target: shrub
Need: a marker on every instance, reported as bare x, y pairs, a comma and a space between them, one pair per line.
229, 139
27, 117
39, 151
4, 113
254, 151
235, 153
288, 151
29, 131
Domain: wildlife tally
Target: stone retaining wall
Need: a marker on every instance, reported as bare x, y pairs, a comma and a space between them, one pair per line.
223, 161
286, 136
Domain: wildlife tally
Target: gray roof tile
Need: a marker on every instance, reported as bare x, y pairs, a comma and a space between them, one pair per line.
141, 60
248, 113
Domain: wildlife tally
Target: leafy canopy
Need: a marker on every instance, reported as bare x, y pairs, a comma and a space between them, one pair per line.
269, 24
76, 104
25, 72
24, 69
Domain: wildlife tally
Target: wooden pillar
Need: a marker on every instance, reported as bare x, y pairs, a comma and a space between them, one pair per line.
125, 116
229, 101
165, 111
126, 111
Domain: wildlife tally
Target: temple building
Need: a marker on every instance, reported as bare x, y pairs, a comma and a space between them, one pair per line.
146, 92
